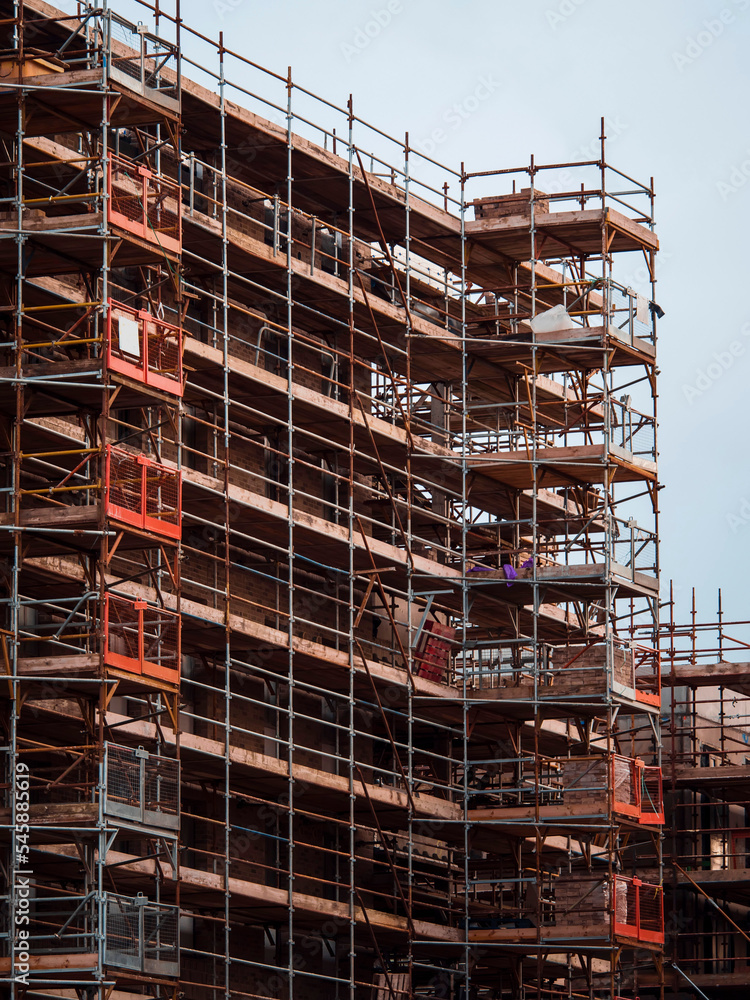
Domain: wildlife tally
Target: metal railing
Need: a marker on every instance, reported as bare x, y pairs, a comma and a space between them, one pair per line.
143, 493
140, 60
626, 907
632, 430
638, 910
144, 347
141, 638
137, 934
141, 787
579, 784
140, 935
131, 635
631, 670
143, 203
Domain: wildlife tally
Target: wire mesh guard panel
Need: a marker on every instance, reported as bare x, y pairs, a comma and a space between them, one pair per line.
144, 347
652, 796
164, 356
142, 787
142, 639
651, 913
636, 789
144, 204
162, 494
123, 781
647, 668
124, 487
633, 431
639, 910
163, 210
143, 59
590, 906
141, 936
122, 633
143, 493
626, 786
161, 789
432, 655
623, 668
126, 204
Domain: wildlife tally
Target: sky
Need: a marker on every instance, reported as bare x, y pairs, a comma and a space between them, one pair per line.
489, 82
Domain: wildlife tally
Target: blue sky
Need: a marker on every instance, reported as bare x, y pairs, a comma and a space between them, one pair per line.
671, 80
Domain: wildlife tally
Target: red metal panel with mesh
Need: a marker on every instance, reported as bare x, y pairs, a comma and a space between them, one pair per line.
123, 492
647, 675
143, 493
432, 655
164, 356
651, 913
142, 639
652, 796
122, 633
626, 785
144, 204
162, 510
158, 362
638, 910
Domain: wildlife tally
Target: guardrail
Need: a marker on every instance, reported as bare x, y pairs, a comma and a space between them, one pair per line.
141, 787
141, 638
143, 493
136, 934
142, 936
144, 204
144, 347
638, 910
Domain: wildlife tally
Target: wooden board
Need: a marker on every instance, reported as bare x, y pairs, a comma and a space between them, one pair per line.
560, 234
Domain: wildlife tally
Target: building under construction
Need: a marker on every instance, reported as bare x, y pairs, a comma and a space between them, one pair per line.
330, 607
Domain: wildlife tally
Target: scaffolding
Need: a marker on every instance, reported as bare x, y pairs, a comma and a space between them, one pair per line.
708, 796
330, 635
